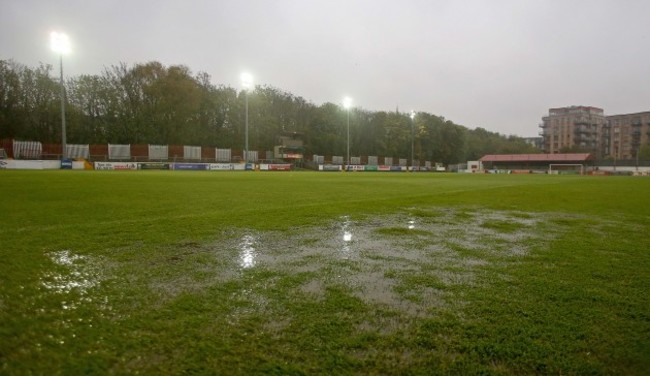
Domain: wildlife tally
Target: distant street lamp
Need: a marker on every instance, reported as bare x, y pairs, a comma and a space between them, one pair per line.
60, 43
347, 103
412, 137
247, 84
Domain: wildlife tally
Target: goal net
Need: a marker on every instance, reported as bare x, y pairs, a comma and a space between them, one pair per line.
566, 168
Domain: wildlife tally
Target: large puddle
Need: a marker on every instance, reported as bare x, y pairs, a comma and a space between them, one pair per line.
409, 262
447, 238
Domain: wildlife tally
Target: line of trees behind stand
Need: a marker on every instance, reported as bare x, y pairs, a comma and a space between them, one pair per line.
154, 104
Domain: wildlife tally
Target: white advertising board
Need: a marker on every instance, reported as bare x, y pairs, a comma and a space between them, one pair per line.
220, 167
116, 166
17, 164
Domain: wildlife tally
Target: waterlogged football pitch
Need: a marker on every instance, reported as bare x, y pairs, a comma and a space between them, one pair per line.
323, 273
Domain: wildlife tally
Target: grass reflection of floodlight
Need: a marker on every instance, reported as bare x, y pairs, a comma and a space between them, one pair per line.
247, 84
347, 103
60, 43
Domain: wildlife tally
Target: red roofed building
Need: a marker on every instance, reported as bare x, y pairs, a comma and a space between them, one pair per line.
535, 162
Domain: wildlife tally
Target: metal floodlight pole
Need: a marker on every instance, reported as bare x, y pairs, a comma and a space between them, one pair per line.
60, 43
247, 83
347, 103
348, 162
412, 139
64, 144
246, 132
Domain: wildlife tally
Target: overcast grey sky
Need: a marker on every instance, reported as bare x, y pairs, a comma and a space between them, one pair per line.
496, 64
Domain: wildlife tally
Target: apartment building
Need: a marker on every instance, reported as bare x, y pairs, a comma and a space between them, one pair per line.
627, 133
587, 129
575, 128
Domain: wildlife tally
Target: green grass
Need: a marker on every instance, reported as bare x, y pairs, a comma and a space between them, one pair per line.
248, 273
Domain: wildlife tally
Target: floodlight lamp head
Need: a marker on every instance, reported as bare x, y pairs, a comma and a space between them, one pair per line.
60, 43
247, 81
347, 103
412, 115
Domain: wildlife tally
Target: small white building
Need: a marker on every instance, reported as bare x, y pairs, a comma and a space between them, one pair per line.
474, 167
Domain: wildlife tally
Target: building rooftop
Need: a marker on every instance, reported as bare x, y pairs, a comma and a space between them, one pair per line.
562, 111
570, 157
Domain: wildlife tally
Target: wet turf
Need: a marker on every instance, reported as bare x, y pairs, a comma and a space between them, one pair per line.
303, 273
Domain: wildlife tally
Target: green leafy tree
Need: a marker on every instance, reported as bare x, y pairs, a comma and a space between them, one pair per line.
93, 109
397, 135
10, 90
644, 152
31, 102
327, 132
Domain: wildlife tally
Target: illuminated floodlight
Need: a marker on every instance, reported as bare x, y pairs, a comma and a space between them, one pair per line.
247, 81
347, 102
60, 43
412, 114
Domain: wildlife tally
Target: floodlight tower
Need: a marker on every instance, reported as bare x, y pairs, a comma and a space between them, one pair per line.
247, 84
412, 137
347, 103
60, 43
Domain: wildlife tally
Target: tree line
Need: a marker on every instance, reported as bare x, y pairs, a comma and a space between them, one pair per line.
155, 104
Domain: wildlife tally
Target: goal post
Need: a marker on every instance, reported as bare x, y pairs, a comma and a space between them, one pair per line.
555, 168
